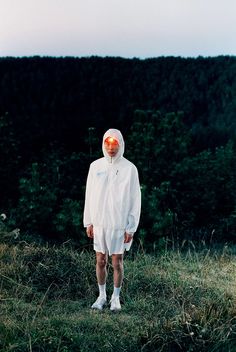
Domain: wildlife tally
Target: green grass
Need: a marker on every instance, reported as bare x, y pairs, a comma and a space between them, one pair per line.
171, 301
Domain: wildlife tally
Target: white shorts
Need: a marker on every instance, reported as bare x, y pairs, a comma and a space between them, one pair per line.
109, 241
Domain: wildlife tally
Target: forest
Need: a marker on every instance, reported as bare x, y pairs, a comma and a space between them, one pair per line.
178, 119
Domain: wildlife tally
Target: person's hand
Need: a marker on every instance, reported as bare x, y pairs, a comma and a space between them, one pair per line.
89, 231
128, 237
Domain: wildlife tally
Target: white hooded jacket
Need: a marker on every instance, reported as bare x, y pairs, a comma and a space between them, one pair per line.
113, 197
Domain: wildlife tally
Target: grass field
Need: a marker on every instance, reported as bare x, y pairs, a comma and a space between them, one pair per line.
171, 301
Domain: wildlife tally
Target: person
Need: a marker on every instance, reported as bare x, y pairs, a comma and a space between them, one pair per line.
111, 212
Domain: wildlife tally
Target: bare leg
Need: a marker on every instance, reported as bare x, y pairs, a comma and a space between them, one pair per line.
117, 263
101, 268
101, 271
118, 274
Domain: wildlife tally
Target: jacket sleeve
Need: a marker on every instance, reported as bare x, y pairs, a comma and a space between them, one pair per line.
87, 206
135, 204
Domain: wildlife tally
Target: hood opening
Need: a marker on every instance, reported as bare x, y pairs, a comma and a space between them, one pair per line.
116, 136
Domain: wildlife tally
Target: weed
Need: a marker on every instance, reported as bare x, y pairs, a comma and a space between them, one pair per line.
177, 301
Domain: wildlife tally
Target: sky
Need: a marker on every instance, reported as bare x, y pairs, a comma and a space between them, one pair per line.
125, 28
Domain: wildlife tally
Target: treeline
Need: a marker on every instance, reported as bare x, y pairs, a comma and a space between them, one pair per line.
177, 116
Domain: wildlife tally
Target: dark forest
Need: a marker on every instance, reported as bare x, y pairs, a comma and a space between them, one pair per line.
178, 119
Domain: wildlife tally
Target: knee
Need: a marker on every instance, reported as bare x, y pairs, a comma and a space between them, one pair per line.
117, 264
101, 262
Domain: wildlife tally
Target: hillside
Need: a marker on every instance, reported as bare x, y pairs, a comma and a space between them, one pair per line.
57, 99
171, 301
177, 116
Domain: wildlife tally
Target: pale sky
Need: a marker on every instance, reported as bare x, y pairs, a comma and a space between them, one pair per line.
126, 28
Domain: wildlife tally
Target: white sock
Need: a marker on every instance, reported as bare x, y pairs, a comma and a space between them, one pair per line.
102, 290
116, 292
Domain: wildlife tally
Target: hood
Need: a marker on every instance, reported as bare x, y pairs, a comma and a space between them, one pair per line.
116, 134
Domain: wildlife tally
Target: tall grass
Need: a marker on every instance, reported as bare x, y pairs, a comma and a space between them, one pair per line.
173, 301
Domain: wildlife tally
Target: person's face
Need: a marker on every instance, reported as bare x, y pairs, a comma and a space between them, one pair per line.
111, 146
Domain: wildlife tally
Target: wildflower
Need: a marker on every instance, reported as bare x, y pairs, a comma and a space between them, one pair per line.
3, 216
16, 233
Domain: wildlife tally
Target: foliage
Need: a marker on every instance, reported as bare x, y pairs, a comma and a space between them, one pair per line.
7, 234
9, 161
38, 199
181, 190
209, 181
68, 221
44, 204
155, 140
57, 99
178, 119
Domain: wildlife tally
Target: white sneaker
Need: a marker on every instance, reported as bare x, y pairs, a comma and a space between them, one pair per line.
99, 303
115, 304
